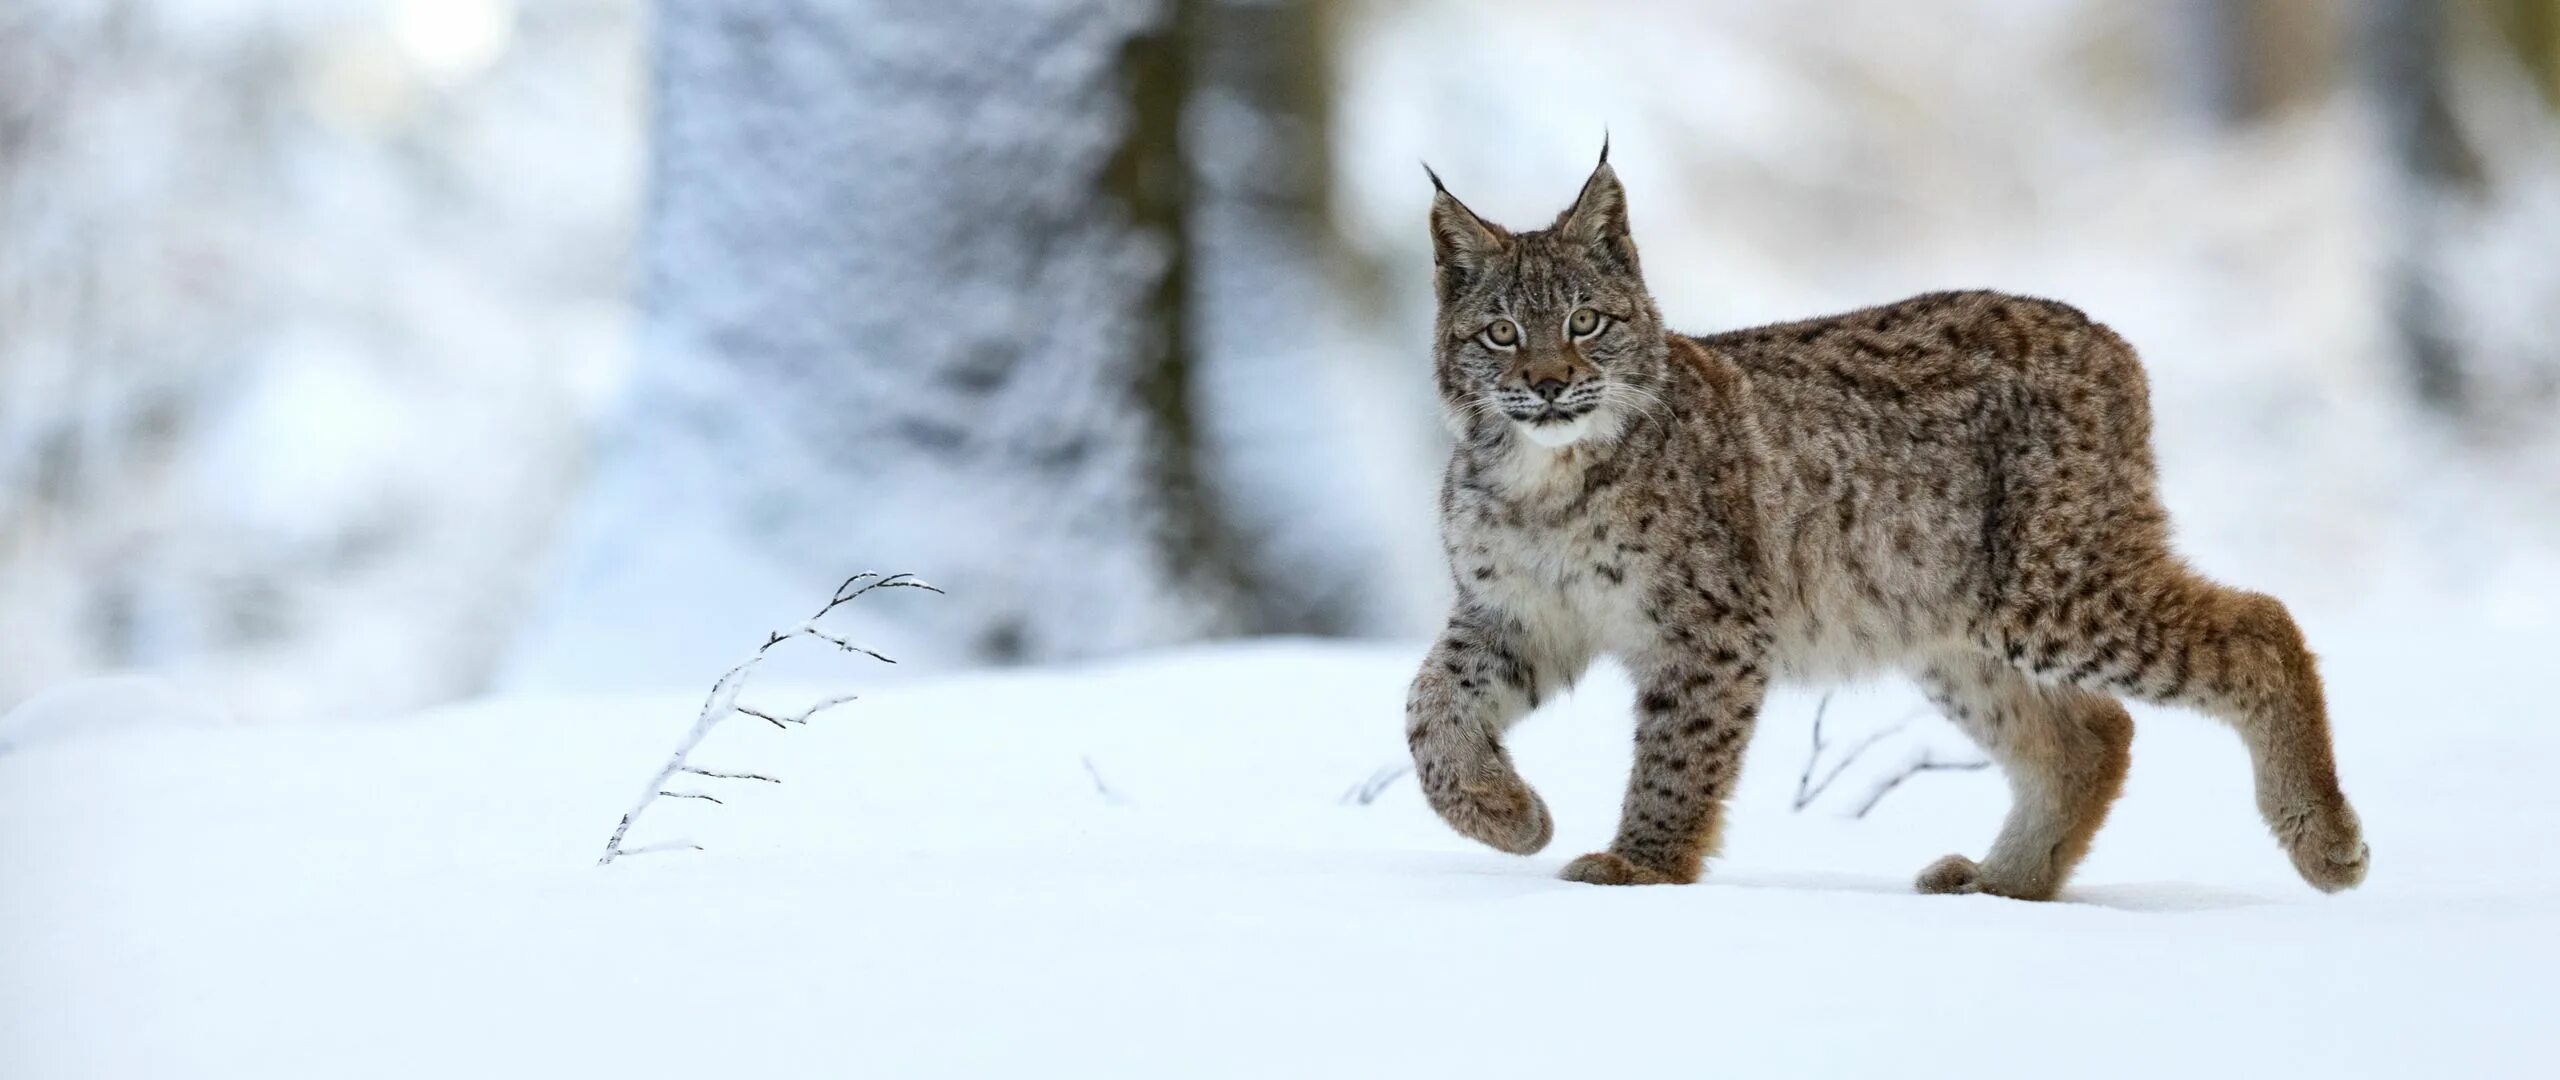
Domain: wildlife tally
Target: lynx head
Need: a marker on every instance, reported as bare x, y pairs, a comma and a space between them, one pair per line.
1550, 332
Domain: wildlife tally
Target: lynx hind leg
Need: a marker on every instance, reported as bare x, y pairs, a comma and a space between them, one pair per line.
2065, 751
2239, 656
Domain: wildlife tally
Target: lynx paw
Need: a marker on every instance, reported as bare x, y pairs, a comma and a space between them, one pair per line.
2327, 846
1962, 876
1956, 874
1499, 811
1605, 868
1953, 874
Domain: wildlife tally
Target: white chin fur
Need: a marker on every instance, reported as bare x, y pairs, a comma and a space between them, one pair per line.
1554, 435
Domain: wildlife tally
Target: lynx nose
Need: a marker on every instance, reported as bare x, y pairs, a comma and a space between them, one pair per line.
1548, 389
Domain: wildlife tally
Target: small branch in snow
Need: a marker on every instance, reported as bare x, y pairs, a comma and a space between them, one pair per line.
722, 703
1807, 788
762, 715
1928, 761
1101, 787
1367, 791
802, 717
730, 775
831, 639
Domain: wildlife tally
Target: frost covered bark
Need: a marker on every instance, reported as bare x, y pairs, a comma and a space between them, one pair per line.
914, 291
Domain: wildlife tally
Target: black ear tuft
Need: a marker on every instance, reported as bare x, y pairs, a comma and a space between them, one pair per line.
1598, 216
1436, 185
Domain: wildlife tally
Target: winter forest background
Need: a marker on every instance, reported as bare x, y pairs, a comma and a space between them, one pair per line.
358, 355
408, 407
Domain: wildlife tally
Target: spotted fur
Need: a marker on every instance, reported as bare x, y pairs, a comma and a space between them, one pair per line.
1959, 485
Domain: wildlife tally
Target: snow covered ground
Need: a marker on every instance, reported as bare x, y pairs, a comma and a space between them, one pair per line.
1150, 869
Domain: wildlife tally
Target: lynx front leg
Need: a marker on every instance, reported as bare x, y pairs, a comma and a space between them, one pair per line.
1693, 717
1480, 679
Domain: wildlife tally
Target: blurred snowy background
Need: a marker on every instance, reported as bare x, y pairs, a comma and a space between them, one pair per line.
357, 355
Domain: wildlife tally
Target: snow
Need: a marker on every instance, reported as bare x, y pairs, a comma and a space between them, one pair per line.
79, 708
1150, 868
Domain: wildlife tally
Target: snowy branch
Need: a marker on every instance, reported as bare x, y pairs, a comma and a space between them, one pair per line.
723, 704
1928, 761
1809, 788
730, 775
802, 717
1367, 791
1100, 786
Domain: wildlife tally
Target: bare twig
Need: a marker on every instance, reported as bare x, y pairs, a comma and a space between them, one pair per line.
1927, 762
831, 639
1820, 710
1101, 787
722, 703
698, 771
802, 717
1367, 791
1808, 788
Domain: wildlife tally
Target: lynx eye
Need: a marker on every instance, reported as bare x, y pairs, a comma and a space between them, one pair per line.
1503, 334
1584, 323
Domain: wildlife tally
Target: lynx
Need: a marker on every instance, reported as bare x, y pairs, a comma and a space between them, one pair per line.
1959, 485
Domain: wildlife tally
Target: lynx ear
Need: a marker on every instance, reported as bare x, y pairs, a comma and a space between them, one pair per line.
1462, 244
1598, 217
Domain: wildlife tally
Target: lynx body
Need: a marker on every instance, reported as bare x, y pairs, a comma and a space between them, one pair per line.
1959, 486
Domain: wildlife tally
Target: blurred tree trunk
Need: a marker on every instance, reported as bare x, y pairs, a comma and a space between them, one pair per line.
2248, 59
2406, 63
1269, 255
2534, 26
1150, 175
916, 297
